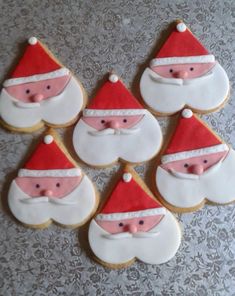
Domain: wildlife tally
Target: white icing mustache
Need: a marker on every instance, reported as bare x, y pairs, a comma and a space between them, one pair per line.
125, 235
111, 131
21, 104
183, 175
178, 81
45, 199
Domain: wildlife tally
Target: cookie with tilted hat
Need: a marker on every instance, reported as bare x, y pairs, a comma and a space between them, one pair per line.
184, 74
115, 126
52, 188
132, 225
40, 91
197, 166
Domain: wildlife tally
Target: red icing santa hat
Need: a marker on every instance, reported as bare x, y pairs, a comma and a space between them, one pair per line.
182, 47
48, 160
128, 200
190, 139
35, 65
114, 99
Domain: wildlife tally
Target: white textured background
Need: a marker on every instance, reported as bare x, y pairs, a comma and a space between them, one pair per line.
90, 38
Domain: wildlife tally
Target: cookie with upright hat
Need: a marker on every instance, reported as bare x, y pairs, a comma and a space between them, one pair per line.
115, 126
52, 188
184, 74
132, 225
196, 166
40, 91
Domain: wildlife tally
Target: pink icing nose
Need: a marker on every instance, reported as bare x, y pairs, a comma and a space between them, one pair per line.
47, 193
181, 74
132, 228
113, 124
37, 98
197, 169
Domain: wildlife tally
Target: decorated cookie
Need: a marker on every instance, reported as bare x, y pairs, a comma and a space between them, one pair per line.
133, 225
196, 167
116, 126
51, 187
40, 91
184, 73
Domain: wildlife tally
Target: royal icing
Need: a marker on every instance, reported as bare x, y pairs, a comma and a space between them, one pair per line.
196, 166
184, 73
51, 188
115, 126
131, 225
39, 89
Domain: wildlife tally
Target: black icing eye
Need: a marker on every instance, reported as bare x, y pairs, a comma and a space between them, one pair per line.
125, 120
27, 91
57, 184
102, 121
37, 186
141, 222
186, 165
171, 70
191, 69
205, 160
48, 87
120, 224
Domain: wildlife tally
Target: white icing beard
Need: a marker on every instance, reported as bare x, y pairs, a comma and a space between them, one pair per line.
57, 110
140, 144
155, 249
169, 95
216, 185
73, 209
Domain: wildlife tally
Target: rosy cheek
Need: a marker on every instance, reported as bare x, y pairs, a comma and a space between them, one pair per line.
97, 123
20, 93
29, 186
146, 224
179, 167
112, 226
167, 72
130, 121
61, 188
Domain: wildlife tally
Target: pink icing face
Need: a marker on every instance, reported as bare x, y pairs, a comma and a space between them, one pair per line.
142, 224
38, 91
57, 187
183, 71
115, 122
195, 165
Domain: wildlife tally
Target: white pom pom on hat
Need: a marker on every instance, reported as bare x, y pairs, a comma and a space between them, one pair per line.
187, 113
181, 27
48, 139
113, 78
32, 40
127, 177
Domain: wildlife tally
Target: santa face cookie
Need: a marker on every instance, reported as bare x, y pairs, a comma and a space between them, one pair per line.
184, 73
40, 91
133, 225
196, 166
50, 187
115, 126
